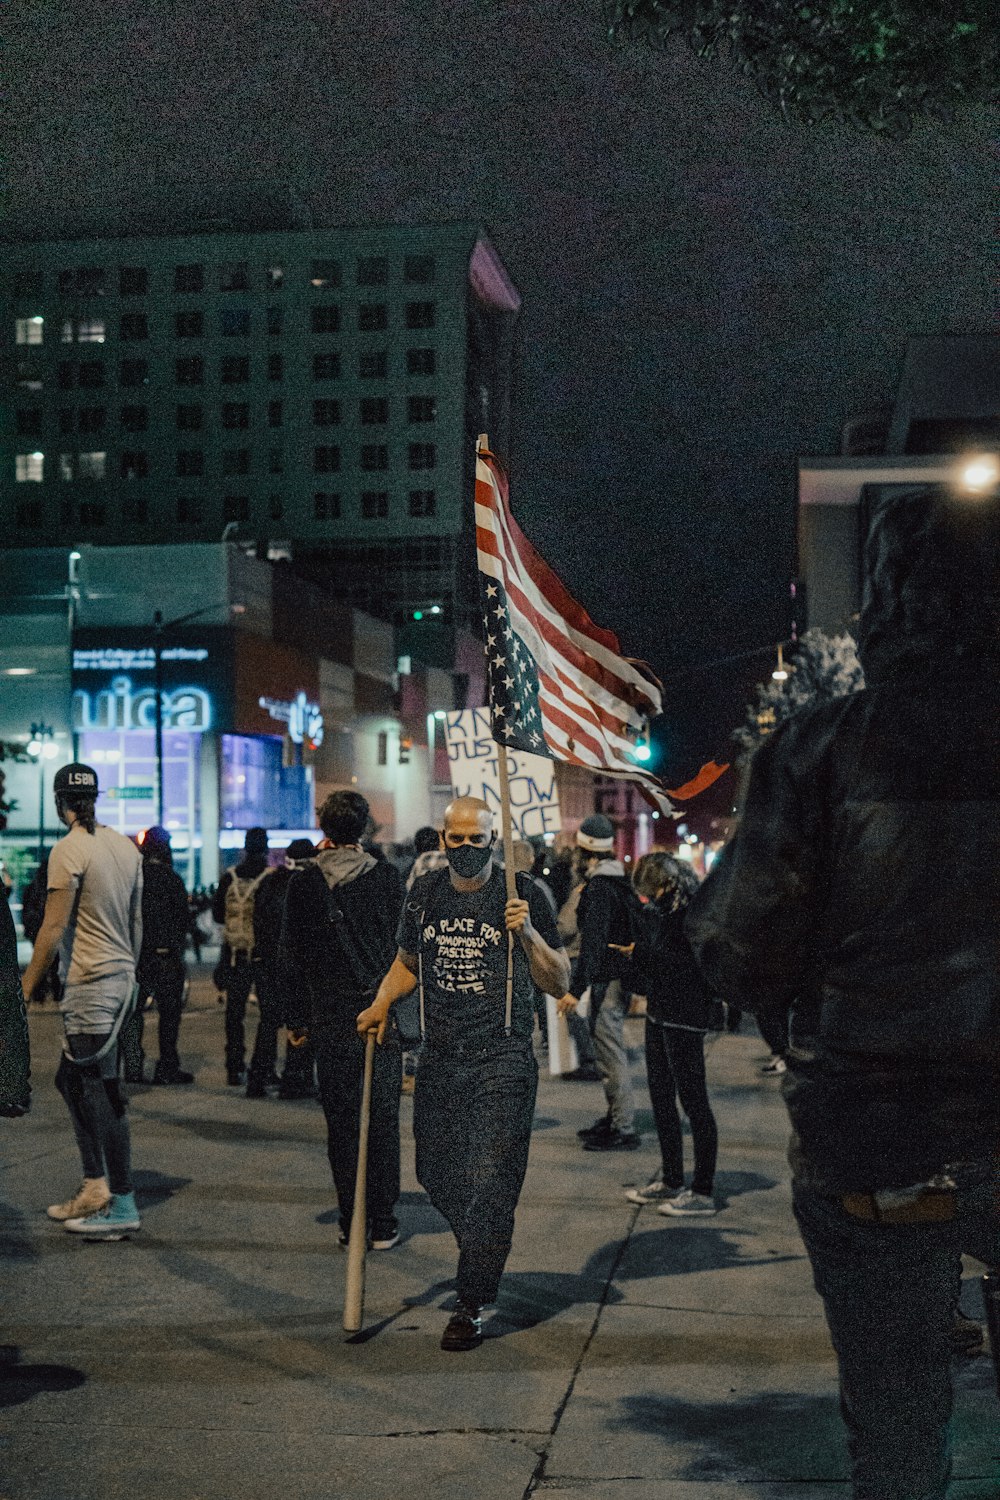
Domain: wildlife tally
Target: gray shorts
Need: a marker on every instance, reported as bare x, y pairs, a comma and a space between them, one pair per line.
92, 1008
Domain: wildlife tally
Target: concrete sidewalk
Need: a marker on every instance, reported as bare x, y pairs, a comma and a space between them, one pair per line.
630, 1356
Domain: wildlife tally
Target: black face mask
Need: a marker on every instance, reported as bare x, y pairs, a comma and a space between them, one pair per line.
469, 860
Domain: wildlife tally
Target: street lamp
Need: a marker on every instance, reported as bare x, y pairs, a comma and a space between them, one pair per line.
159, 626
43, 747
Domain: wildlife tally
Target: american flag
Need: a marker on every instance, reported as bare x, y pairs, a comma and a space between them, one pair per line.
558, 684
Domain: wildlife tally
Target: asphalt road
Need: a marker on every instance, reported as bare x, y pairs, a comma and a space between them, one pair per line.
630, 1356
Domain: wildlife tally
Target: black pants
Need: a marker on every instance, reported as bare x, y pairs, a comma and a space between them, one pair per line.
240, 978
472, 1124
162, 976
675, 1069
340, 1067
97, 1110
775, 1034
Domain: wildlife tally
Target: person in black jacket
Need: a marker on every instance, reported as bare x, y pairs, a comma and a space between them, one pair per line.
268, 916
338, 937
32, 916
160, 971
857, 902
238, 971
678, 1014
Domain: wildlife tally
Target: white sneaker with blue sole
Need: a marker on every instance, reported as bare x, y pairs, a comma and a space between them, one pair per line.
116, 1221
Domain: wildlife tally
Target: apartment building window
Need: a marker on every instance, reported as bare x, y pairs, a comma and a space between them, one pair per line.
189, 278
234, 369
374, 456
326, 318
422, 502
421, 409
134, 465
275, 413
372, 270
275, 507
132, 326
324, 273
326, 366
91, 331
236, 508
29, 330
276, 460
190, 371
66, 374
66, 417
373, 410
135, 510
66, 467
133, 281
133, 372
84, 281
234, 322
373, 316
326, 413
373, 364
420, 314
190, 462
28, 420
29, 515
91, 419
382, 750
189, 418
189, 324
275, 367
274, 278
234, 276
235, 461
374, 504
29, 468
90, 374
28, 283
189, 510
93, 513
67, 331
132, 418
418, 268
420, 362
326, 459
91, 465
275, 319
326, 506
235, 414
27, 376
422, 456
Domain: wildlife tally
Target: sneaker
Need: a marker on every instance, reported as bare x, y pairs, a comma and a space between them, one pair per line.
384, 1239
656, 1191
775, 1066
93, 1194
614, 1140
688, 1203
167, 1078
599, 1127
118, 1219
464, 1330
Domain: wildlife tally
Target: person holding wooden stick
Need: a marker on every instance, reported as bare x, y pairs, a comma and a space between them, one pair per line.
476, 945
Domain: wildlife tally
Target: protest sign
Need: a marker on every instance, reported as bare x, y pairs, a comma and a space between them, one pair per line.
472, 753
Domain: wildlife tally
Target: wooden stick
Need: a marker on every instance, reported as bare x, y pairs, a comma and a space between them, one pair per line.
508, 859
354, 1282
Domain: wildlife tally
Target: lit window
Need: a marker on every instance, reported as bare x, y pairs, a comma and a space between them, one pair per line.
374, 504
29, 330
325, 273
91, 465
29, 468
91, 330
326, 459
374, 456
422, 502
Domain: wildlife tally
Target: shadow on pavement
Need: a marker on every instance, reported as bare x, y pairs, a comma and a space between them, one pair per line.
417, 1215
156, 1187
16, 1241
19, 1383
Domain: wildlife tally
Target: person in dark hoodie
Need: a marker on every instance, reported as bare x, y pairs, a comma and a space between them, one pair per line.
858, 902
160, 973
268, 915
237, 972
337, 940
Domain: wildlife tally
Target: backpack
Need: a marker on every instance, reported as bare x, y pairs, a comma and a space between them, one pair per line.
237, 928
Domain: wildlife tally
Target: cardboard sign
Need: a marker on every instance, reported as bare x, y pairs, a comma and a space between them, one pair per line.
475, 772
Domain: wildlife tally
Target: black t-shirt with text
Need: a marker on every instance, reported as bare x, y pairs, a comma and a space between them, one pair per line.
461, 939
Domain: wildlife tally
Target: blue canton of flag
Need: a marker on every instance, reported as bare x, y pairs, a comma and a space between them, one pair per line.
512, 680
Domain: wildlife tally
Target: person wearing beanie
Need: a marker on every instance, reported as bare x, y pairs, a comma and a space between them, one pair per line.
165, 924
93, 916
607, 919
238, 972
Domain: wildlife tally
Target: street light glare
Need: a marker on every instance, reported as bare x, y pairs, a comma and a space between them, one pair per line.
980, 474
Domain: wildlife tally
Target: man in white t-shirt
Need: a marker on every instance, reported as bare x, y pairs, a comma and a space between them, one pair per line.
93, 917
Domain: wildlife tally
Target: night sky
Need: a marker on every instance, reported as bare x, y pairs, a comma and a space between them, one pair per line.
708, 291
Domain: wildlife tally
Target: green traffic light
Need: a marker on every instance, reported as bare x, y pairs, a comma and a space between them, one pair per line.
418, 614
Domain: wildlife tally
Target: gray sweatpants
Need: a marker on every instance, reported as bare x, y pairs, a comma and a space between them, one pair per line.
612, 1057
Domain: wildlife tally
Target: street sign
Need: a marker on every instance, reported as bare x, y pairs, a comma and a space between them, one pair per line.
129, 793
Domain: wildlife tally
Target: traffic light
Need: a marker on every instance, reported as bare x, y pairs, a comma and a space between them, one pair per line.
405, 746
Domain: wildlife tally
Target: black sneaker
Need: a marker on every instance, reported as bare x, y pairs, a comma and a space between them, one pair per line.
464, 1330
166, 1078
614, 1140
594, 1132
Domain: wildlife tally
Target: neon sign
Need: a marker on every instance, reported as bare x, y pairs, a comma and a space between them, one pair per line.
304, 720
121, 707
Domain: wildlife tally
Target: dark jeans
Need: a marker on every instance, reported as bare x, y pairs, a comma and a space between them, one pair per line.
240, 978
97, 1110
162, 976
775, 1034
340, 1067
675, 1069
890, 1293
579, 1031
472, 1118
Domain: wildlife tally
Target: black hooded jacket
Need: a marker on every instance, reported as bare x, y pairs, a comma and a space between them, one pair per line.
859, 897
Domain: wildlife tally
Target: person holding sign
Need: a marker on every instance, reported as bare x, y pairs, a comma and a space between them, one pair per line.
475, 1089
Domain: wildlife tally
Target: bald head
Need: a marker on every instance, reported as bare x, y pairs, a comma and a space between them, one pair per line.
468, 815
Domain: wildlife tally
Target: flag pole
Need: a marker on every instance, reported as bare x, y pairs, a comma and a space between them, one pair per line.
506, 827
